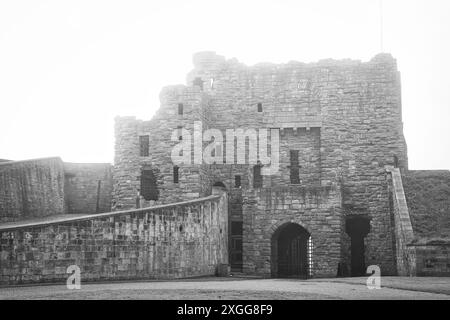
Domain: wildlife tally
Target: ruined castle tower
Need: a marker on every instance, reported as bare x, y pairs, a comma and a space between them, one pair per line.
328, 209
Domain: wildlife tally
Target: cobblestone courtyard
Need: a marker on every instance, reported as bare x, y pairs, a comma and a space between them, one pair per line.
240, 288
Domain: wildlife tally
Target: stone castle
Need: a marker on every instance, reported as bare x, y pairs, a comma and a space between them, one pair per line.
342, 197
340, 128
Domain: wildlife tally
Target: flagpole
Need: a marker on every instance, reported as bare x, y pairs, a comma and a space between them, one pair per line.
381, 25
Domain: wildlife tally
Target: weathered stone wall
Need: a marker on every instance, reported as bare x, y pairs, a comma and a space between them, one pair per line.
428, 197
31, 189
128, 163
403, 230
163, 242
87, 187
317, 209
433, 259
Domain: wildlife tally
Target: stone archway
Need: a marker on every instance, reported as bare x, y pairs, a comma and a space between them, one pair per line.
290, 246
219, 184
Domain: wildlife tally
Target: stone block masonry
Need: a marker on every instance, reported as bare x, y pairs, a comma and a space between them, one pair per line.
433, 258
87, 187
428, 196
163, 242
317, 209
31, 189
38, 188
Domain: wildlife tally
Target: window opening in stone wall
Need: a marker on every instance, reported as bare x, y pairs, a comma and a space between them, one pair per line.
180, 108
198, 82
175, 174
294, 168
237, 181
260, 107
149, 186
217, 152
395, 161
97, 205
144, 142
180, 132
257, 177
236, 228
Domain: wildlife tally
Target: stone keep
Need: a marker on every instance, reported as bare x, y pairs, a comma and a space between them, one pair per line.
342, 121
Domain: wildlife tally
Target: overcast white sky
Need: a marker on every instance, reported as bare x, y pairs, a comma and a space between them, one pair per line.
67, 68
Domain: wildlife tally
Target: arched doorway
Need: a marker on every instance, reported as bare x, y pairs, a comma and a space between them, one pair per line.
291, 252
357, 227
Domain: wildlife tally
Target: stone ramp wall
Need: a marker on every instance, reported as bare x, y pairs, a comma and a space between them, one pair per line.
403, 231
162, 242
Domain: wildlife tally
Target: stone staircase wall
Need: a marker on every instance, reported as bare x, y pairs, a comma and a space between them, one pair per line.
403, 231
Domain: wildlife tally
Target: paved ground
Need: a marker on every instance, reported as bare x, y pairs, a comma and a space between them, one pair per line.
232, 288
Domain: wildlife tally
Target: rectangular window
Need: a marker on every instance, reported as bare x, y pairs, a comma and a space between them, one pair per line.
180, 108
236, 244
144, 142
259, 107
236, 228
293, 154
294, 176
294, 167
175, 174
149, 186
257, 177
237, 181
198, 82
180, 132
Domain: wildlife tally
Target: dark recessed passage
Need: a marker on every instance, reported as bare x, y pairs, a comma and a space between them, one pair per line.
180, 132
291, 252
357, 227
257, 177
237, 181
294, 168
175, 174
149, 187
260, 107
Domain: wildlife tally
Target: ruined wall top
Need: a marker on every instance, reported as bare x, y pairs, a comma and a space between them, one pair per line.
209, 60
